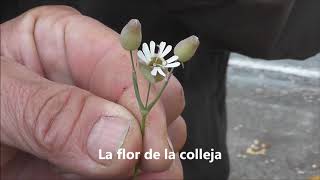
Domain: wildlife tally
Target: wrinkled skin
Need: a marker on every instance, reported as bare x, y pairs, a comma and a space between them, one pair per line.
60, 72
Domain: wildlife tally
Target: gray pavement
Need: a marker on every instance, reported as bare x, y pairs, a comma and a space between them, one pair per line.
276, 103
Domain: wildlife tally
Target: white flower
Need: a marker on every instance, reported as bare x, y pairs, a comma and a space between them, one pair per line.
156, 60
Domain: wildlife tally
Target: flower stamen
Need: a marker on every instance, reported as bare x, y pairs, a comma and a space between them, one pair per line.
156, 61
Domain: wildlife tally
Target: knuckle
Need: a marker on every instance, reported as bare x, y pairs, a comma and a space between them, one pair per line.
55, 115
52, 9
13, 99
48, 114
29, 18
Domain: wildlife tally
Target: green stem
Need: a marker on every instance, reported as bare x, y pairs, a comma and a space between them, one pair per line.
143, 123
132, 63
147, 108
144, 114
149, 87
135, 173
135, 83
160, 92
136, 91
143, 110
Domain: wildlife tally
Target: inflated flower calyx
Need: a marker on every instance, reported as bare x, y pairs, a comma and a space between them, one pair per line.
145, 71
186, 48
130, 37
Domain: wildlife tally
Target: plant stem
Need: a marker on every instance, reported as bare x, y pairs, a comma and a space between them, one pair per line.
135, 83
144, 109
160, 92
135, 173
149, 87
136, 91
132, 63
143, 123
144, 114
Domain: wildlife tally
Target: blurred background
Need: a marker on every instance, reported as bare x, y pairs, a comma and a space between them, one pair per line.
274, 118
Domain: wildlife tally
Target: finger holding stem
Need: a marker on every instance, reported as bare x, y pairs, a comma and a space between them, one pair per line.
141, 106
152, 64
145, 111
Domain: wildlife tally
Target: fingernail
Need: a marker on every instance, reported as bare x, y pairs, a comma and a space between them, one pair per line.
107, 136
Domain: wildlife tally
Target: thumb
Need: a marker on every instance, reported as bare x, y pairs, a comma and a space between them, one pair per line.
65, 125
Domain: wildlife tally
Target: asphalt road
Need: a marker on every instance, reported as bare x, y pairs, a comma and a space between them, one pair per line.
275, 103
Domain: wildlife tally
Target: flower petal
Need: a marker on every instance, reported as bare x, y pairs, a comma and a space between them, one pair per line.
172, 65
161, 48
172, 59
152, 47
154, 71
146, 51
166, 51
142, 58
161, 72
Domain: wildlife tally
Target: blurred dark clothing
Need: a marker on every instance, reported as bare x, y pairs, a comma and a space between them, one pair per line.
270, 29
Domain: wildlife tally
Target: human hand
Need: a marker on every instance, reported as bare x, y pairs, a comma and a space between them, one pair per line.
66, 92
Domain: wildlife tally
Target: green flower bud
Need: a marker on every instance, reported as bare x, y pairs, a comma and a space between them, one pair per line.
130, 37
186, 48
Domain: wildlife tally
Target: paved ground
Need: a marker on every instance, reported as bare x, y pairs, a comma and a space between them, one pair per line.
278, 104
